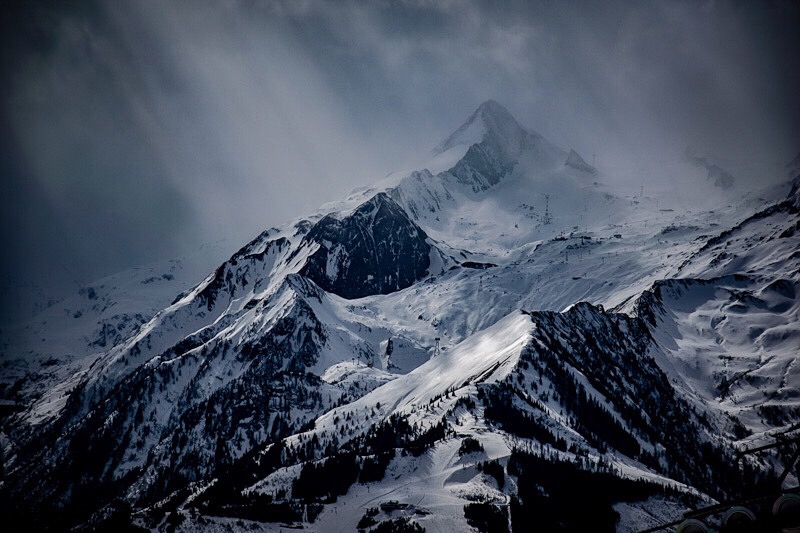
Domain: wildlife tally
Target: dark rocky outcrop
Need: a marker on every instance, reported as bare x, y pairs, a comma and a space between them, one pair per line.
376, 249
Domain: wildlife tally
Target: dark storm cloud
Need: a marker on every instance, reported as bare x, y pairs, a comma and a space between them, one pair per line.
132, 131
136, 131
626, 77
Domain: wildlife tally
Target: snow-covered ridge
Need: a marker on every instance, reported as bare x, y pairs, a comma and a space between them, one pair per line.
391, 323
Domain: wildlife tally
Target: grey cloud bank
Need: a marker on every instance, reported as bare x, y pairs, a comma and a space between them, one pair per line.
136, 131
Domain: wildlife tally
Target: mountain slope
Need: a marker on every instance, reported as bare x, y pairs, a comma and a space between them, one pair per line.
439, 340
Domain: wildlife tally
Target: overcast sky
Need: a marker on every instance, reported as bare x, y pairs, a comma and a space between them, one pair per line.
135, 131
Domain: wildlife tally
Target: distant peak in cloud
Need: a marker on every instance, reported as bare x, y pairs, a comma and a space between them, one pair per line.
490, 109
716, 174
490, 120
574, 160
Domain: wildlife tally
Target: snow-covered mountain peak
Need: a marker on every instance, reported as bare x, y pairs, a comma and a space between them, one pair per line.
491, 121
490, 144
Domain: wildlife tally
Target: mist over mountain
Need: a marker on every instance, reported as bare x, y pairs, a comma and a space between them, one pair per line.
138, 132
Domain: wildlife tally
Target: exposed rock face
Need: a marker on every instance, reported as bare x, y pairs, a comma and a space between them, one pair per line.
716, 174
375, 250
575, 161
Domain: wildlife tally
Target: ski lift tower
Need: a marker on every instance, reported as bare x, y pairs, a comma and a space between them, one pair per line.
547, 218
436, 349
